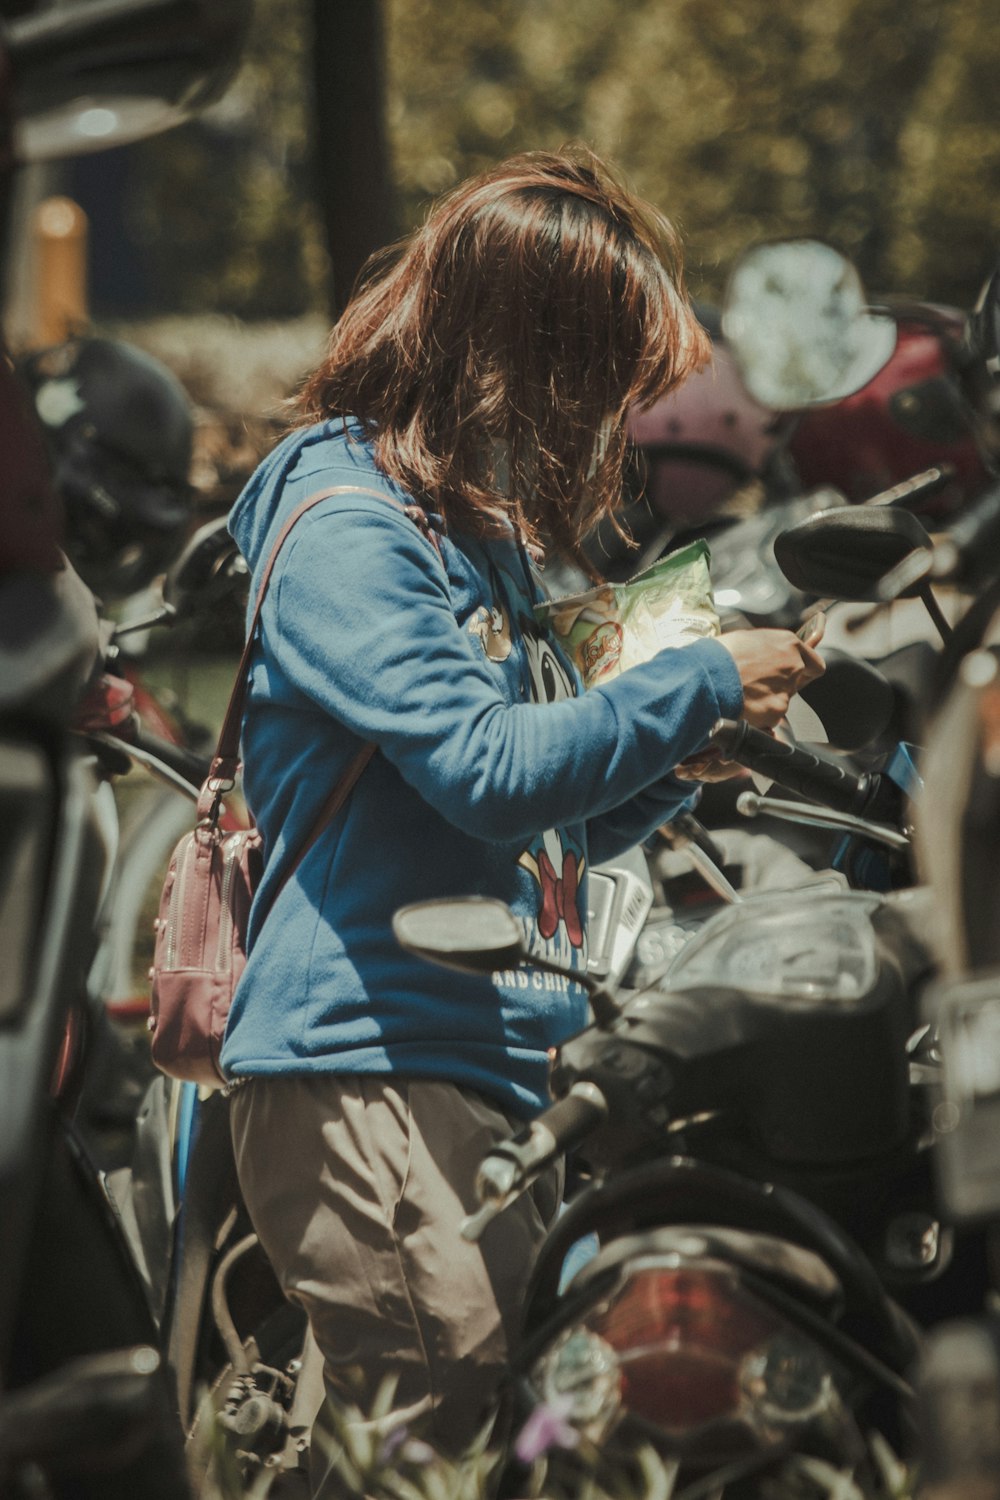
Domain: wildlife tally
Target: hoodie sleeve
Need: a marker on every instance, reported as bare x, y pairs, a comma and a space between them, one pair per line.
633, 822
359, 618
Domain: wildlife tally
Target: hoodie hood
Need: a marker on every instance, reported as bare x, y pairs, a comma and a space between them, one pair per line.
331, 452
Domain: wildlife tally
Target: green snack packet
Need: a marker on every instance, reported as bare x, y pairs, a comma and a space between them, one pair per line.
611, 627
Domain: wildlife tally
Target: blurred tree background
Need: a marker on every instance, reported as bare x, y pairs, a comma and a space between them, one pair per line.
868, 122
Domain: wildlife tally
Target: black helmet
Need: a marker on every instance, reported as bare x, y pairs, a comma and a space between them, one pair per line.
120, 430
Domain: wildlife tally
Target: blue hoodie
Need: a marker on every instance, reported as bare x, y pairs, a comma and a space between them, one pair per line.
495, 775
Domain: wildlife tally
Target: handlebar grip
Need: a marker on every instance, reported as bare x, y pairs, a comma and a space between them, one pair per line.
552, 1133
799, 770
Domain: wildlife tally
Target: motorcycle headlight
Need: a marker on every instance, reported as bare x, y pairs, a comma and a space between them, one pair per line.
809, 945
687, 1350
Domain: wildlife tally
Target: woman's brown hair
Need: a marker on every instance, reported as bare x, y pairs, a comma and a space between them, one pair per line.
492, 356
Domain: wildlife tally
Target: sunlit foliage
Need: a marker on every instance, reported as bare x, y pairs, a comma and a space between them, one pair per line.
873, 123
870, 122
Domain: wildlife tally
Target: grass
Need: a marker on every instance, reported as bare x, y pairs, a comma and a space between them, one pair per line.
371, 1457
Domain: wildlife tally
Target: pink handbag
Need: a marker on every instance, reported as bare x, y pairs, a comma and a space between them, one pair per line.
200, 948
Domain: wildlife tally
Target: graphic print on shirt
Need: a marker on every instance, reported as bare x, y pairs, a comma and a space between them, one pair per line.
491, 622
553, 859
556, 862
551, 679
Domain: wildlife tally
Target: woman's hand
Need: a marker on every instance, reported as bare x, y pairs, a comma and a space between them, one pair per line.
708, 765
773, 666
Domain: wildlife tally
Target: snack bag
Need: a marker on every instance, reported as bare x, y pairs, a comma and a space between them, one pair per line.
611, 627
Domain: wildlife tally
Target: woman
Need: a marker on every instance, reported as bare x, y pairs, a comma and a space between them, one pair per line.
484, 372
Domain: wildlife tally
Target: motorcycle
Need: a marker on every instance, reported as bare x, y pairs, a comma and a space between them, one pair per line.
878, 555
759, 1198
809, 389
958, 1377
172, 1211
85, 1402
771, 1094
177, 1198
104, 738
119, 430
814, 400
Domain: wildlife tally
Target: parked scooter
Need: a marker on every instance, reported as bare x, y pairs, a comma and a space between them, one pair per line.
103, 740
119, 431
774, 1086
85, 1406
875, 554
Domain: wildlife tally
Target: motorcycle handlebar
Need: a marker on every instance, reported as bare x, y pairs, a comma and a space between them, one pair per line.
181, 768
188, 764
513, 1165
918, 487
799, 770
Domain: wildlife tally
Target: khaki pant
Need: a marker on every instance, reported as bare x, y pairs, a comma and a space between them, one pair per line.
357, 1187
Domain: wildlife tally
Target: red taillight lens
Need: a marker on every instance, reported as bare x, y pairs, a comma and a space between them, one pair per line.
680, 1337
693, 1354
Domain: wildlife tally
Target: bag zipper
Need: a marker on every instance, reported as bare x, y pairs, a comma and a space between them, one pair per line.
230, 857
176, 908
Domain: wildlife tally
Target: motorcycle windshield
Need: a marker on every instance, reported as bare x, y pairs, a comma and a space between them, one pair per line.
811, 945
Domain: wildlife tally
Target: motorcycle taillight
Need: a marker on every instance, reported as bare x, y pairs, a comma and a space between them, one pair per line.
688, 1351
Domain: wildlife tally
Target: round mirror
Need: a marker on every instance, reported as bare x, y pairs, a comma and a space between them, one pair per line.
798, 325
207, 569
475, 934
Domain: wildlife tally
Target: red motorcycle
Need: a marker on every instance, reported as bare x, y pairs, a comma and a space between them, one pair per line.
910, 392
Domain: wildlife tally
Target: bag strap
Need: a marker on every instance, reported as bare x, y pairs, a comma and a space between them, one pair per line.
222, 773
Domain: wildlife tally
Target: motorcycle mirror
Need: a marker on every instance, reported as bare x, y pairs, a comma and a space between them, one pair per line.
844, 553
104, 72
208, 568
852, 699
478, 935
797, 322
474, 934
